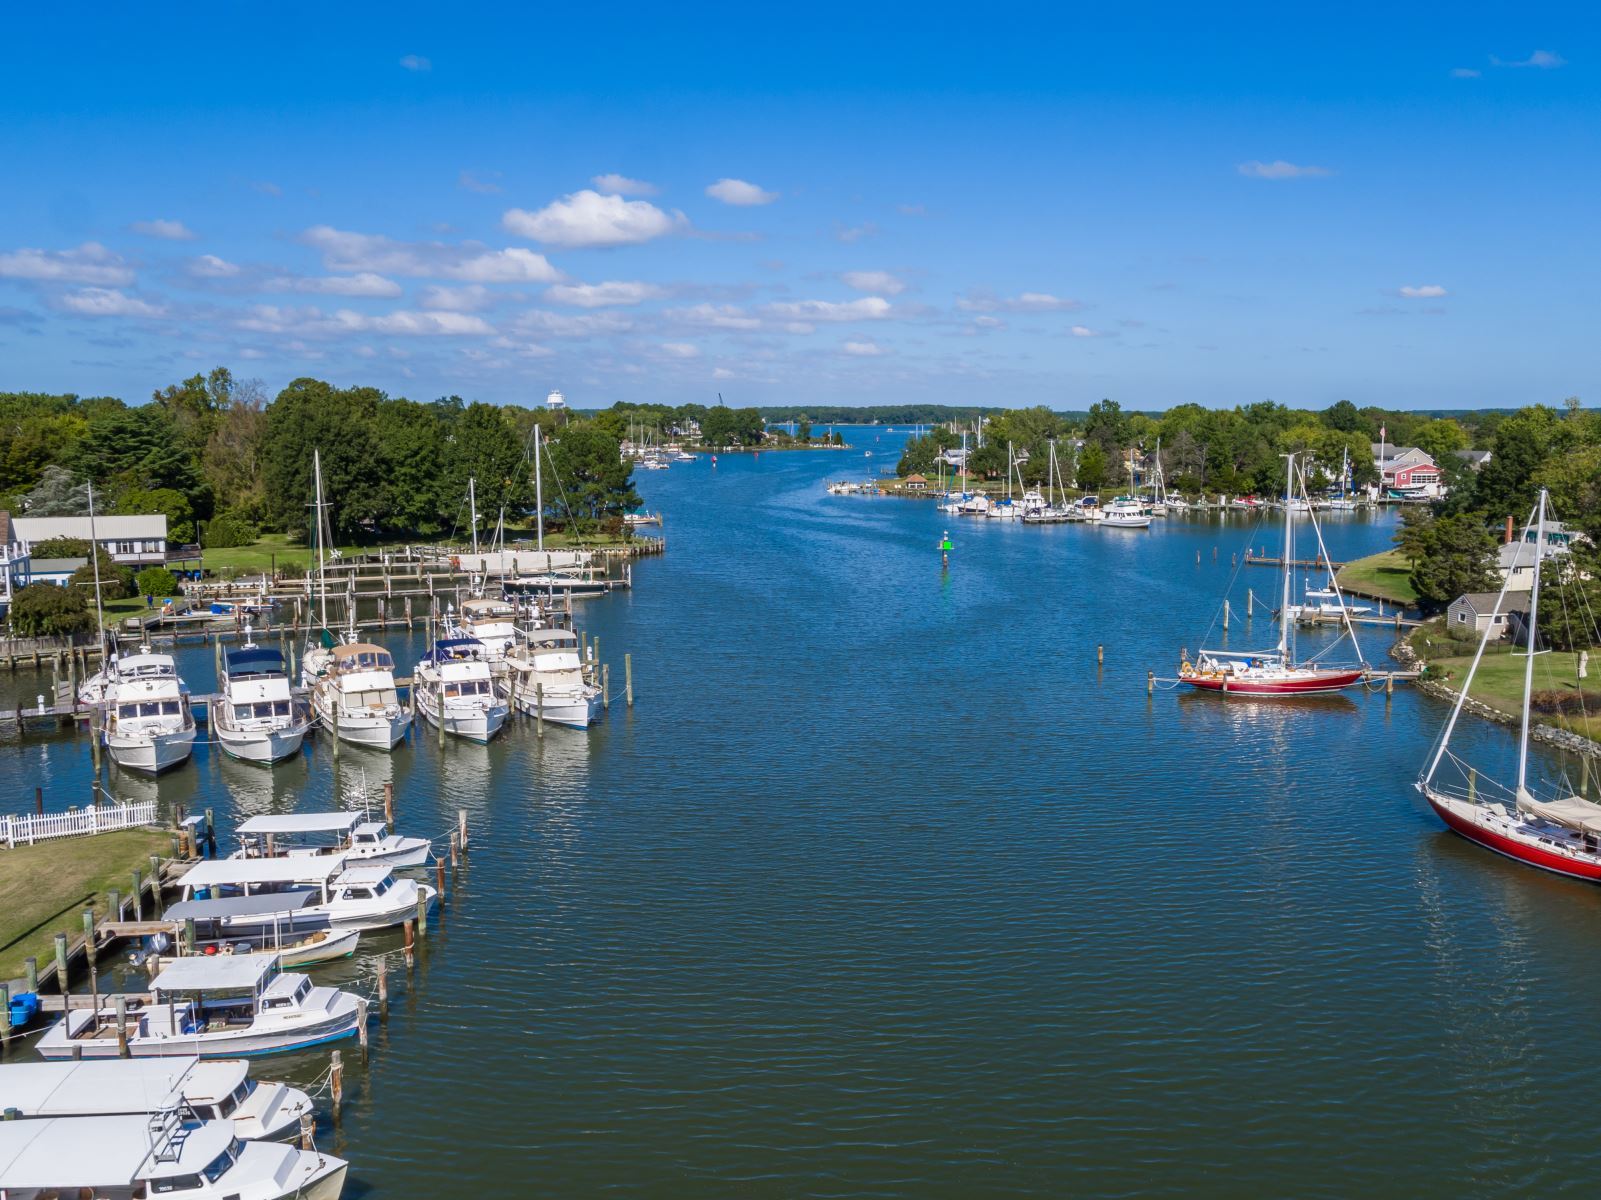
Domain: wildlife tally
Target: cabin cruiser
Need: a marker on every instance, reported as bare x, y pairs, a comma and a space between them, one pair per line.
257, 719
355, 696
548, 680
350, 835
1125, 512
1325, 601
454, 688
491, 623
559, 583
220, 1006
347, 897
1033, 502
132, 1157
221, 1090
149, 725
288, 925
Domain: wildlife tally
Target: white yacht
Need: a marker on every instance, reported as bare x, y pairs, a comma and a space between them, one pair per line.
1125, 512
345, 896
211, 1091
493, 623
355, 697
352, 836
257, 719
132, 1157
149, 725
454, 688
222, 1006
548, 679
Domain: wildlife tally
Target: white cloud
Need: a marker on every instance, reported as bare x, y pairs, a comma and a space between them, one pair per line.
1083, 331
868, 308
470, 262
471, 298
107, 302
474, 183
209, 266
1425, 291
862, 349
603, 295
722, 373
587, 218
713, 316
1025, 302
89, 263
873, 281
850, 234
1279, 169
680, 350
522, 349
172, 231
1544, 60
313, 322
416, 62
740, 193
425, 324
541, 322
989, 323
363, 284
1465, 73
912, 210
622, 185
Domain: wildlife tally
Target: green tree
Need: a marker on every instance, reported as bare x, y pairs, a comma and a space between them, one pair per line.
1091, 473
591, 481
172, 504
156, 581
44, 610
116, 580
1346, 417
484, 447
1570, 599
1455, 554
1505, 485
57, 494
310, 415
232, 463
803, 429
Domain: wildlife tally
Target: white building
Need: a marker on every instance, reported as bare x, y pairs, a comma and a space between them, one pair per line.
555, 402
132, 541
1472, 613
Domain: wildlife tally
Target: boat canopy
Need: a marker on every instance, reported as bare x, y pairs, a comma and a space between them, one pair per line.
215, 973
362, 875
452, 649
80, 1089
1579, 815
363, 656
551, 637
308, 868
240, 906
255, 660
317, 822
482, 607
101, 1152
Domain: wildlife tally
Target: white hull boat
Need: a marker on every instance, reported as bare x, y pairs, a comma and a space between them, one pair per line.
455, 689
151, 753
548, 680
355, 698
257, 719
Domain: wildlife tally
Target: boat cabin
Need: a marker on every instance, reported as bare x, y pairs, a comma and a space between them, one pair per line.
121, 1158
359, 884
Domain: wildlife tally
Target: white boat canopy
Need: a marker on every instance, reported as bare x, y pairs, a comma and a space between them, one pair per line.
215, 973
78, 1089
265, 903
317, 822
101, 1152
218, 872
1581, 816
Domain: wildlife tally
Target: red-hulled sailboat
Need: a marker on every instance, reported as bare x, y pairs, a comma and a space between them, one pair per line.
1559, 831
1275, 673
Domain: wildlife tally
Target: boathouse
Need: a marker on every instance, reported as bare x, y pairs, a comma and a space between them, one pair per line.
1472, 613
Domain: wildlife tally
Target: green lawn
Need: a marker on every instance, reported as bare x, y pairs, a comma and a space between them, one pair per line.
44, 888
1384, 576
1499, 683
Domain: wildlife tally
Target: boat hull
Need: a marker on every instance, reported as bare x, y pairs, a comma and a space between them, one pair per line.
375, 733
153, 754
578, 712
475, 724
1312, 684
261, 746
1476, 824
338, 1025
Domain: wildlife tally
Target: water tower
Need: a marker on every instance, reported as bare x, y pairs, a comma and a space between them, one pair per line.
555, 402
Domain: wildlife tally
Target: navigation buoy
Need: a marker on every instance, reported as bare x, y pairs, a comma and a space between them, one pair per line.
945, 549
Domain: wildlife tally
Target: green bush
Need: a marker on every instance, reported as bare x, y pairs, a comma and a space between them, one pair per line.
115, 582
228, 529
45, 610
157, 581
61, 547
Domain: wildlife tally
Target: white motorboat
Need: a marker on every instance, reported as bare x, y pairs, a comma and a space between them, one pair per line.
559, 583
548, 679
1125, 512
1326, 601
221, 1006
343, 896
257, 718
288, 925
976, 505
355, 698
353, 836
651, 462
149, 725
221, 1090
682, 456
491, 623
453, 687
132, 1157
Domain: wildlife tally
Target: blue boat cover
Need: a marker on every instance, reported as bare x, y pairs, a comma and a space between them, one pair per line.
255, 660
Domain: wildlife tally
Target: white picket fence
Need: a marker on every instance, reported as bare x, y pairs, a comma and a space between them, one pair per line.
28, 830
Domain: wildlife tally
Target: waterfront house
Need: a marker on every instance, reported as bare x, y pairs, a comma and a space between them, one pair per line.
1407, 472
135, 541
1472, 613
1516, 563
16, 566
1473, 458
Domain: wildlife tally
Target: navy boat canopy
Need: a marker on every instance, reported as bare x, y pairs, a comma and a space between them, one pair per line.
255, 660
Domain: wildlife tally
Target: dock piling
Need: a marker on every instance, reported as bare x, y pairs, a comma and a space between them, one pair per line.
336, 1080
1100, 655
122, 1026
138, 897
539, 709
408, 934
308, 1126
61, 967
389, 803
628, 679
383, 989
1150, 683
30, 972
361, 1026
461, 828
605, 685
422, 913
5, 1016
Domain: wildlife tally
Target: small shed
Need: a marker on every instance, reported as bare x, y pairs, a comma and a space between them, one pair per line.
915, 483
1473, 612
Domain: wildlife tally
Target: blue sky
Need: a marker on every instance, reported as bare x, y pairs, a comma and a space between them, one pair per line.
837, 204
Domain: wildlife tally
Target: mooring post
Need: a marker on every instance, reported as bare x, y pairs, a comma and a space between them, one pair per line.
455, 849
122, 1026
308, 1126
439, 880
1225, 614
539, 708
138, 897
461, 828
61, 965
1150, 683
336, 1080
389, 802
408, 934
114, 905
1100, 655
30, 972
5, 1016
383, 989
605, 685
628, 679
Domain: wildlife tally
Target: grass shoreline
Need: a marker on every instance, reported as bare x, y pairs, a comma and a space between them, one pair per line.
1382, 576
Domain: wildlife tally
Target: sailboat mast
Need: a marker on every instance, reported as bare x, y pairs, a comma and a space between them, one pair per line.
472, 507
94, 557
322, 575
539, 496
1531, 638
1289, 553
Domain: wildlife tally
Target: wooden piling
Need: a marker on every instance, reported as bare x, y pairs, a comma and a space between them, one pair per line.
361, 1026
308, 1126
455, 849
408, 934
1150, 683
1100, 655
113, 905
383, 989
628, 679
30, 973
61, 965
605, 685
422, 913
389, 803
539, 708
5, 1016
122, 1026
439, 879
138, 897
336, 1080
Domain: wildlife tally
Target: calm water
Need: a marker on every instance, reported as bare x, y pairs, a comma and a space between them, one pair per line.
883, 889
